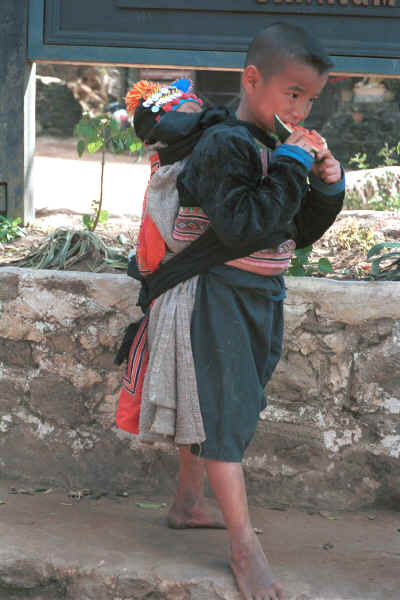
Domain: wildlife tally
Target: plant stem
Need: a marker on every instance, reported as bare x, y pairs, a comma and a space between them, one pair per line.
96, 220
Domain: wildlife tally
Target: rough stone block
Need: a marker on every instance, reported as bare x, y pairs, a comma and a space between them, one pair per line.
16, 353
8, 285
57, 401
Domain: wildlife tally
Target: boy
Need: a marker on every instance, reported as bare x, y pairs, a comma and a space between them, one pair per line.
254, 194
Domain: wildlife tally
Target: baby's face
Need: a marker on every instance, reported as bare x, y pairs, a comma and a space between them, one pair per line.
189, 107
289, 93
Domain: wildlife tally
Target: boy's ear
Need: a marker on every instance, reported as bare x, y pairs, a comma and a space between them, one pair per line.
251, 77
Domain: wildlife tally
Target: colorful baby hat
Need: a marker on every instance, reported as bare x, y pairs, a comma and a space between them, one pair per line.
148, 102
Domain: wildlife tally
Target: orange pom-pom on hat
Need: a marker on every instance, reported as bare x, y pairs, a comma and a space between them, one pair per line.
141, 91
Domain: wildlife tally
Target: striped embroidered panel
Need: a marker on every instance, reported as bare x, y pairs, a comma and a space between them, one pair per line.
272, 261
191, 222
138, 358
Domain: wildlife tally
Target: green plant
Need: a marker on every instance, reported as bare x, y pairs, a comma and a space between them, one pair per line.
97, 217
301, 266
388, 155
359, 160
9, 229
64, 247
354, 235
386, 158
387, 192
101, 134
387, 265
375, 192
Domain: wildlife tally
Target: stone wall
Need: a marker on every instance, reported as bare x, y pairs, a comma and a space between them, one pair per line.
331, 433
330, 437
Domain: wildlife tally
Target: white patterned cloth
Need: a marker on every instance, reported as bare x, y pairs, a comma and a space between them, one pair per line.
170, 409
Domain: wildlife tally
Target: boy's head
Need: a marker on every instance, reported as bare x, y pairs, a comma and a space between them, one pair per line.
282, 42
286, 68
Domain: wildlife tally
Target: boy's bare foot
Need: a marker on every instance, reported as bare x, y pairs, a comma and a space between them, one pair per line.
194, 513
253, 573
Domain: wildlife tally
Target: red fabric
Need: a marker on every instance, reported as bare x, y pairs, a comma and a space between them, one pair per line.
128, 410
149, 253
150, 247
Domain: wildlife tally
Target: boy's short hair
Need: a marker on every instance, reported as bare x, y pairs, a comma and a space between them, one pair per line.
281, 41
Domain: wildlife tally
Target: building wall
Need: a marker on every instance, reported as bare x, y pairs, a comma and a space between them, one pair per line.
17, 98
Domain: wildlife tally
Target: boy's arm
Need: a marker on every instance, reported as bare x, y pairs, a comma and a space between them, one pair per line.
225, 178
319, 209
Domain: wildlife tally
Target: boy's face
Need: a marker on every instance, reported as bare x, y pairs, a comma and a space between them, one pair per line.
289, 93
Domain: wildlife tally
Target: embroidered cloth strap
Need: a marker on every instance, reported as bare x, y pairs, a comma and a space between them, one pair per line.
192, 221
150, 251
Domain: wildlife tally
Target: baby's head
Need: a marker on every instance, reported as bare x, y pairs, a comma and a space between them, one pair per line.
286, 69
148, 103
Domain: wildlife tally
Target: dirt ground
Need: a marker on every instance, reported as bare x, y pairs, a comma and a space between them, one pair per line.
65, 184
83, 538
345, 244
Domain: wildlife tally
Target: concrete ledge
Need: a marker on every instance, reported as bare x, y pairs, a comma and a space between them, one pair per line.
350, 302
329, 438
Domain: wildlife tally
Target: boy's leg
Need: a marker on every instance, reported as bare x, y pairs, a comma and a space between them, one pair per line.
249, 564
190, 508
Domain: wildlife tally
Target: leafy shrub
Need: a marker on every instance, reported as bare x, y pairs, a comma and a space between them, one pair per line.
387, 158
387, 265
9, 229
359, 160
103, 133
375, 192
388, 155
65, 247
301, 266
380, 126
355, 235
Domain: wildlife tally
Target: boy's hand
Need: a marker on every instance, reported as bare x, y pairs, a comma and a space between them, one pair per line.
297, 138
326, 167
